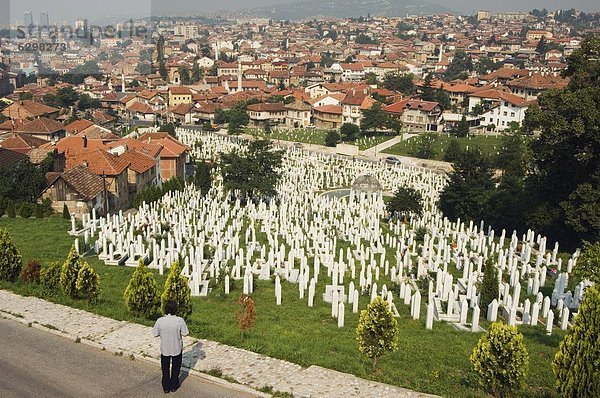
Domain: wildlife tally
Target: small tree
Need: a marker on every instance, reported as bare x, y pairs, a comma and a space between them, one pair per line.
68, 273
501, 360
88, 283
26, 210
202, 178
462, 128
377, 330
31, 272
141, 295
10, 209
453, 151
10, 258
39, 211
177, 289
332, 138
489, 285
349, 131
50, 275
577, 362
588, 265
405, 201
424, 146
246, 316
66, 214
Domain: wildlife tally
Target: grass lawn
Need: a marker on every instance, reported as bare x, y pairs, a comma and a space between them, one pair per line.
317, 137
434, 361
305, 136
488, 144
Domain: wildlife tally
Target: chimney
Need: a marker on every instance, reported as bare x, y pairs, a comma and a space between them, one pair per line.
84, 141
85, 164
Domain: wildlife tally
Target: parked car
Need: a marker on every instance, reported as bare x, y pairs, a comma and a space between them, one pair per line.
392, 160
297, 145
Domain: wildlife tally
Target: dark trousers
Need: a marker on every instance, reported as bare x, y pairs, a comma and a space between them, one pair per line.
170, 377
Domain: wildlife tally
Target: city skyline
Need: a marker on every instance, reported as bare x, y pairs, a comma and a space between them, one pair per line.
70, 11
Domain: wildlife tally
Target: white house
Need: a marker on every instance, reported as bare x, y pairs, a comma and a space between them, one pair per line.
500, 108
205, 63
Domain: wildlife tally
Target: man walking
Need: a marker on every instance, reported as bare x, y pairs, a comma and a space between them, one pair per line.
170, 328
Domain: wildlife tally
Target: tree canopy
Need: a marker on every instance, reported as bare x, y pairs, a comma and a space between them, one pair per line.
564, 179
253, 172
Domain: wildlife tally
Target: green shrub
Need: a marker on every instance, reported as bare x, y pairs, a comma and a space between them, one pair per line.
10, 258
68, 274
50, 275
10, 209
26, 209
577, 362
2, 206
66, 214
489, 285
500, 359
141, 295
39, 211
31, 272
88, 283
332, 138
178, 290
377, 330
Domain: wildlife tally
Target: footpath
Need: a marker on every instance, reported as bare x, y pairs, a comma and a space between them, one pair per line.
199, 355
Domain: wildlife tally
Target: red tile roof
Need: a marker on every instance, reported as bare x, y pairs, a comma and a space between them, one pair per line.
400, 106
83, 181
22, 143
332, 109
138, 161
42, 125
77, 126
98, 161
267, 107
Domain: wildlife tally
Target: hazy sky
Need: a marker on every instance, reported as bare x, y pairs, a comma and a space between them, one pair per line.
69, 10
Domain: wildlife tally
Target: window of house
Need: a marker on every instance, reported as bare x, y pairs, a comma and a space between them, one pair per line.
512, 114
505, 113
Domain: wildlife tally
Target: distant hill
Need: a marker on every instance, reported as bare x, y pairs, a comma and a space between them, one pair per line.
347, 8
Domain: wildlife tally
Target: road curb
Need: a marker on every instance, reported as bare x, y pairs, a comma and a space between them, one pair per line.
133, 356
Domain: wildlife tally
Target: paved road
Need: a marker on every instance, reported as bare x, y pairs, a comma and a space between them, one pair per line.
34, 363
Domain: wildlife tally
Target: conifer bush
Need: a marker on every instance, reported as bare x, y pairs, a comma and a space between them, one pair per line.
246, 316
501, 361
87, 283
10, 209
141, 295
39, 211
50, 275
68, 273
490, 289
177, 289
577, 362
26, 210
31, 272
10, 258
66, 214
377, 330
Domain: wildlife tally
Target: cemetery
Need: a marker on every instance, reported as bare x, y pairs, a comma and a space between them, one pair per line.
489, 144
311, 261
316, 136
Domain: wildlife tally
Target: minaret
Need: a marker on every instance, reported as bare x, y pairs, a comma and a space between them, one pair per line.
122, 82
441, 52
239, 86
